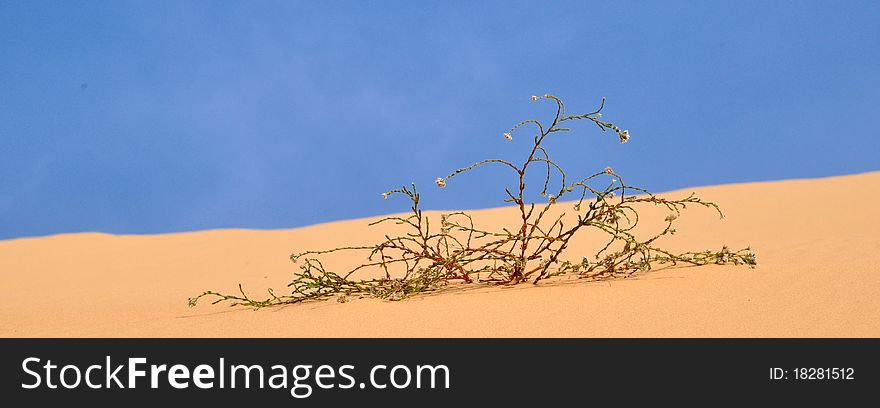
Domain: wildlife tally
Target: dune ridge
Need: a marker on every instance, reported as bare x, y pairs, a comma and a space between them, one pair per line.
818, 276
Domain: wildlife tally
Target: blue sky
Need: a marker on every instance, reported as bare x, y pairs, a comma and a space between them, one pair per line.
150, 117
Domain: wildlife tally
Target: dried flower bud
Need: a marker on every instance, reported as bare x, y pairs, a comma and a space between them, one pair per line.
441, 182
508, 136
534, 98
551, 198
609, 170
624, 136
385, 195
671, 217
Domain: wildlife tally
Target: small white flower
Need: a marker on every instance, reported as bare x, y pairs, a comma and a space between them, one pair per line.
385, 195
534, 98
613, 181
441, 182
624, 136
508, 136
609, 170
551, 198
598, 115
671, 217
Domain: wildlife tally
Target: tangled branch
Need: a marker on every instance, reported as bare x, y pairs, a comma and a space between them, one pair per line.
424, 259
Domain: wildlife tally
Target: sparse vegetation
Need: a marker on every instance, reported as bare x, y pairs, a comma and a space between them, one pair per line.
534, 249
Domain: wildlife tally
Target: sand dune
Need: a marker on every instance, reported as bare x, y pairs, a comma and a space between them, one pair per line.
817, 244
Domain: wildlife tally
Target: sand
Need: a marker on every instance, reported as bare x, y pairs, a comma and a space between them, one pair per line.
817, 244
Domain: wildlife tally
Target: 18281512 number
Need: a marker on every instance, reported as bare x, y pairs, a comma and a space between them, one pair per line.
812, 373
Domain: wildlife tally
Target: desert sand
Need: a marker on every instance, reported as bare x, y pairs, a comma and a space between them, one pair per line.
818, 276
